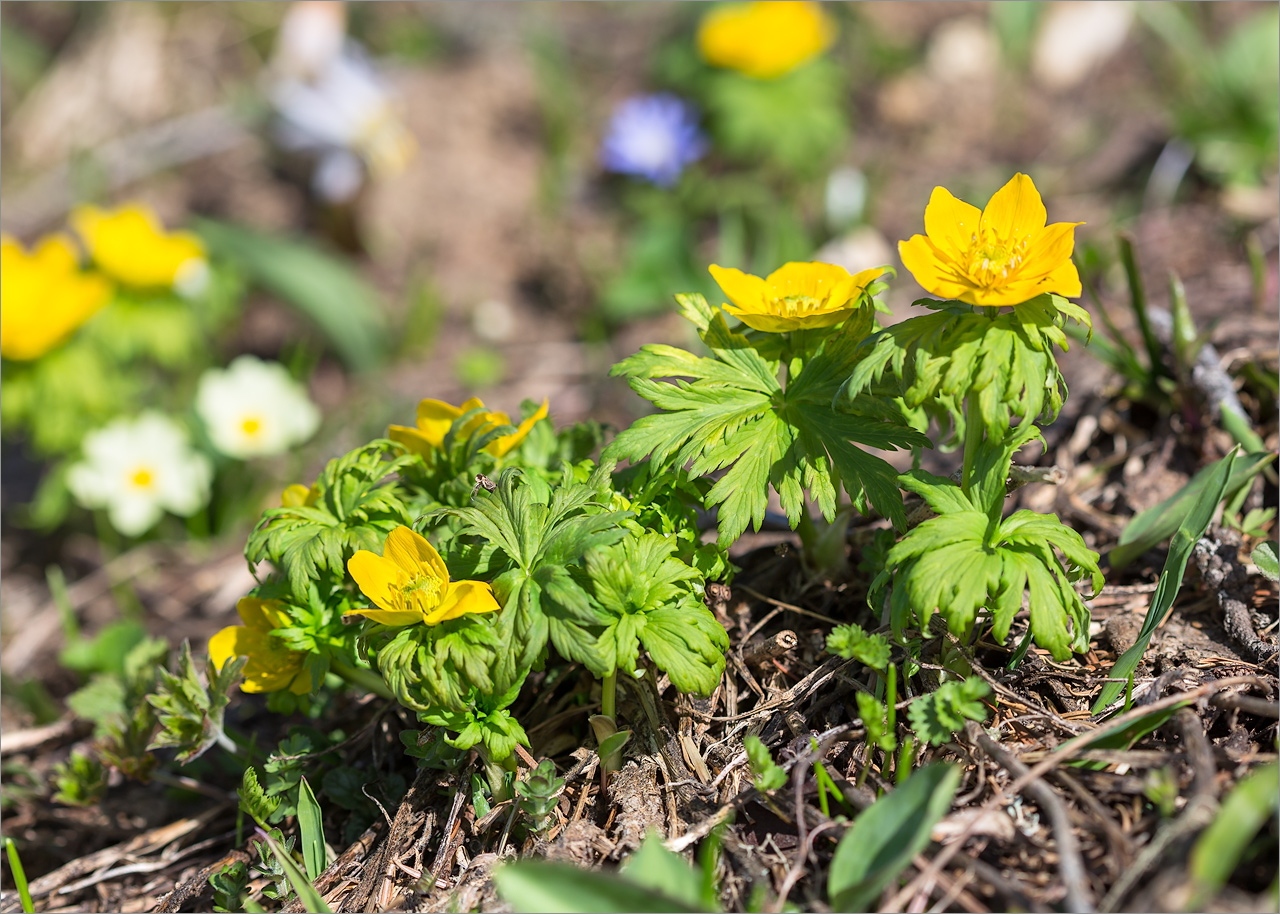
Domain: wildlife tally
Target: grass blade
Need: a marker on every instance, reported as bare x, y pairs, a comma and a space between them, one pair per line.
1222, 845
1193, 526
1159, 522
311, 826
325, 289
1138, 301
19, 876
533, 886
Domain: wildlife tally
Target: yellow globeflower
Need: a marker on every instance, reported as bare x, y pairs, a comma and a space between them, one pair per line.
410, 583
1002, 255
131, 245
797, 296
764, 39
435, 417
271, 666
299, 496
43, 296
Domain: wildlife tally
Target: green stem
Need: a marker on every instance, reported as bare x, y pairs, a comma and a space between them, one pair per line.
973, 428
609, 696
891, 698
365, 679
808, 532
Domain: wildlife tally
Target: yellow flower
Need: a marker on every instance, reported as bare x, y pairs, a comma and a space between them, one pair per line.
763, 39
299, 496
43, 296
435, 417
797, 296
410, 583
131, 245
1002, 255
271, 666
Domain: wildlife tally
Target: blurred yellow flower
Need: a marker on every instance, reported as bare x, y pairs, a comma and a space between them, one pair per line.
132, 246
271, 666
299, 496
765, 39
44, 296
410, 583
1002, 255
797, 296
435, 417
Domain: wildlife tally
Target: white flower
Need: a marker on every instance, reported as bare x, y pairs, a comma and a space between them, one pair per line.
330, 102
137, 469
254, 409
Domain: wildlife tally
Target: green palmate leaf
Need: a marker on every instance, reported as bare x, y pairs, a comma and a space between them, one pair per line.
888, 835
688, 643
968, 558
436, 666
938, 714
229, 885
765, 772
357, 506
190, 713
79, 781
253, 799
538, 532
1004, 361
1156, 524
852, 642
733, 415
484, 721
646, 596
1193, 526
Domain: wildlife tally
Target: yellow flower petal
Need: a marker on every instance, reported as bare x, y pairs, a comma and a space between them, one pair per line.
414, 555
951, 223
379, 579
794, 297
824, 281
1015, 210
764, 40
222, 646
131, 245
271, 665
500, 447
412, 439
299, 496
395, 617
44, 297
1002, 256
434, 419
464, 597
744, 290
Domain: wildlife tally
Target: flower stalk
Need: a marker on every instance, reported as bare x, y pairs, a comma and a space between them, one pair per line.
365, 679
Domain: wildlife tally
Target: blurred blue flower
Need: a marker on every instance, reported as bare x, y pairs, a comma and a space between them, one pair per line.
653, 137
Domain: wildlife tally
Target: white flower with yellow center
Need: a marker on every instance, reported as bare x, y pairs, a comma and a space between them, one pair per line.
254, 409
139, 468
